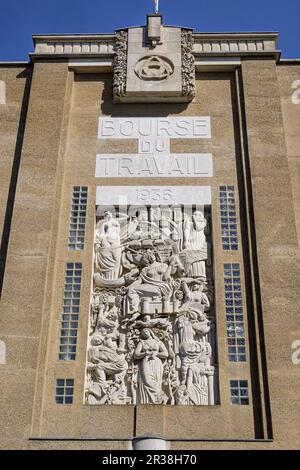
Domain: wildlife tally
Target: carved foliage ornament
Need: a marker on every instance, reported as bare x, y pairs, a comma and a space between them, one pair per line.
120, 63
154, 68
150, 322
188, 64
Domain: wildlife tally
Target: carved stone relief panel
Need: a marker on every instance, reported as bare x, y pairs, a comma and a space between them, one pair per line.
188, 64
151, 332
120, 63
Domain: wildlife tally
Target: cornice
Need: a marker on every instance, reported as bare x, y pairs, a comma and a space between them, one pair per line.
97, 45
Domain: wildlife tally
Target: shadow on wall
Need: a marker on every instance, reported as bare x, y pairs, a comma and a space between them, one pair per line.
128, 110
25, 74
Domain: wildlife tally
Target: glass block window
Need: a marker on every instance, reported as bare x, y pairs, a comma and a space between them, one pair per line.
70, 312
228, 218
234, 313
64, 391
78, 218
239, 392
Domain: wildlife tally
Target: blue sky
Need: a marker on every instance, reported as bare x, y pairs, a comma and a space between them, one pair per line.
22, 18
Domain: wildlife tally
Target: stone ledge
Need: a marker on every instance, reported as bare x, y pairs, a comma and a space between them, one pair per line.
70, 45
260, 42
211, 43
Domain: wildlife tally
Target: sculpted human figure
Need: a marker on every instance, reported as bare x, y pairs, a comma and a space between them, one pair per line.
195, 245
143, 226
107, 368
190, 348
113, 339
149, 353
194, 296
197, 385
132, 308
154, 279
143, 223
108, 249
104, 319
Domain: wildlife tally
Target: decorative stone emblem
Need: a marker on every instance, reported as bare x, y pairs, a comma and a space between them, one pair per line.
151, 327
154, 64
154, 68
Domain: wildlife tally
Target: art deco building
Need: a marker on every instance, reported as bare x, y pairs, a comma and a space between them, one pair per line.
150, 224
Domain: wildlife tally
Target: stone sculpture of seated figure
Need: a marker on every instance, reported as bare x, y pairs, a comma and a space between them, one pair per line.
154, 279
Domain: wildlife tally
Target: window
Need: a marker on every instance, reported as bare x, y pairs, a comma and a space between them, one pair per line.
64, 391
228, 218
2, 353
2, 92
234, 313
78, 218
239, 392
70, 312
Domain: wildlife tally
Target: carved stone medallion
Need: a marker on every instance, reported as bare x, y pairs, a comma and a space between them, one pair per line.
154, 68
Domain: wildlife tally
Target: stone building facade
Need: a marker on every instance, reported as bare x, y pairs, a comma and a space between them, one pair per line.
150, 224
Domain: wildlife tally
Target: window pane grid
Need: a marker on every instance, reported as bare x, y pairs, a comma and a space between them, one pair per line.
78, 218
234, 313
64, 391
229, 232
239, 392
70, 312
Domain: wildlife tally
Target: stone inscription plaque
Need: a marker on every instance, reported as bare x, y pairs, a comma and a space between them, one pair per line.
153, 166
153, 195
169, 127
154, 158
